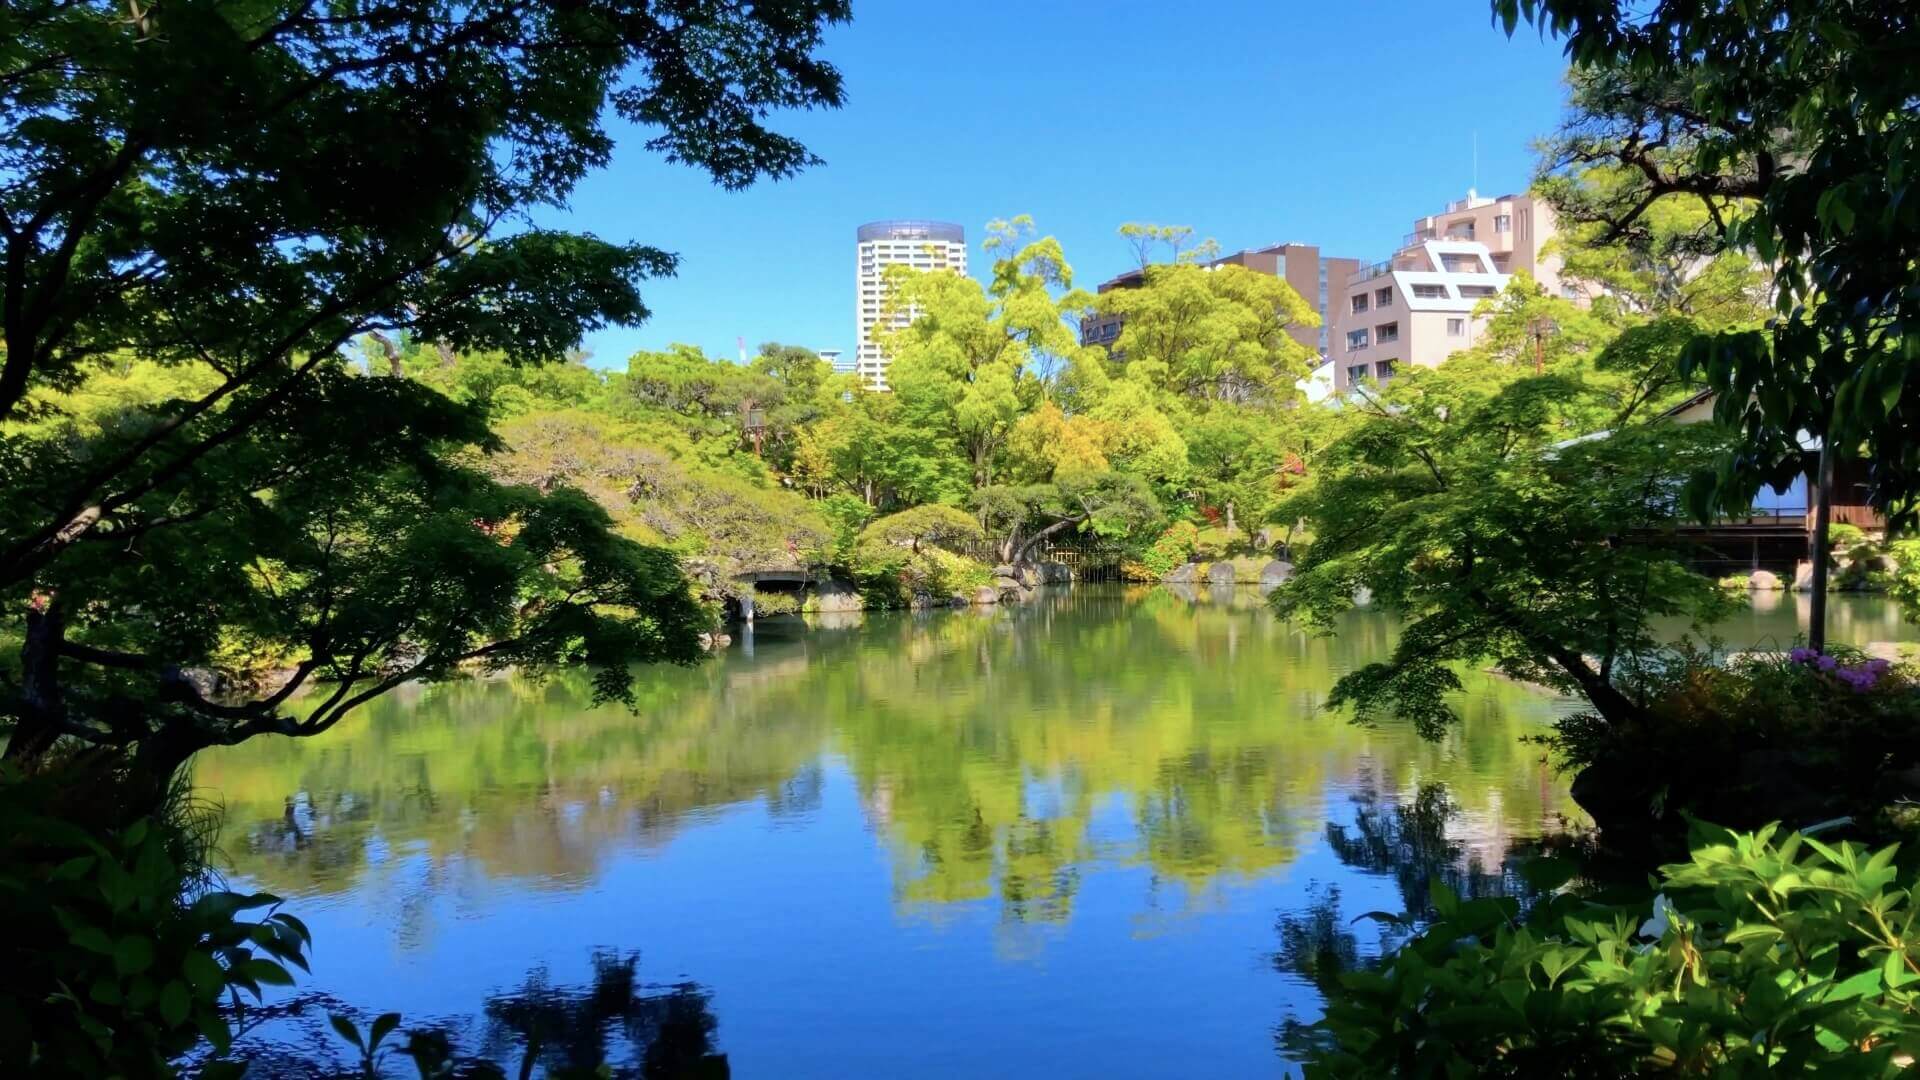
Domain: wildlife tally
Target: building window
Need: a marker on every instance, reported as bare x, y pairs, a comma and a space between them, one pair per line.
1503, 223
1360, 303
1430, 292
1461, 264
1570, 291
1456, 328
1357, 373
1356, 339
1386, 332
1383, 369
1383, 297
1460, 230
1477, 292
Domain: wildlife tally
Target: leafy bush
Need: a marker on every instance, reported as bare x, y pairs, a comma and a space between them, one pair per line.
117, 956
921, 527
890, 576
1840, 535
1171, 549
1799, 735
1757, 956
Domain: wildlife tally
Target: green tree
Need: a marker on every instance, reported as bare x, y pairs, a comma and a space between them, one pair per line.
1791, 124
657, 497
1478, 500
212, 184
959, 366
1237, 456
1213, 333
871, 448
932, 525
1111, 505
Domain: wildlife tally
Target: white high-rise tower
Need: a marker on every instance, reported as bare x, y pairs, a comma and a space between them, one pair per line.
922, 245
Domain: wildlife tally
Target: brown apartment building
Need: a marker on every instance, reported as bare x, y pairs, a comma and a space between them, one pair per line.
1311, 275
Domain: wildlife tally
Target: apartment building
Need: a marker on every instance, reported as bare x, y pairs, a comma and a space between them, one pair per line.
1316, 278
1417, 307
922, 245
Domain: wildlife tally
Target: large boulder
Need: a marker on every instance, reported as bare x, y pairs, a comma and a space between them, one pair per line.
1277, 572
835, 596
986, 594
1184, 574
1026, 574
1765, 581
1362, 597
1053, 573
1803, 576
1221, 573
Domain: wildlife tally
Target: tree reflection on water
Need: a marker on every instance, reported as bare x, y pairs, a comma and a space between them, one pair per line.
612, 1026
1416, 843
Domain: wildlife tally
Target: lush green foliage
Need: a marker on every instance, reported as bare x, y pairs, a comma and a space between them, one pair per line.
1790, 124
119, 955
1803, 735
1478, 500
1805, 110
209, 188
1765, 953
1520, 501
1172, 548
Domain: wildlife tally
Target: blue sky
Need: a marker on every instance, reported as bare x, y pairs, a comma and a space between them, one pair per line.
1334, 123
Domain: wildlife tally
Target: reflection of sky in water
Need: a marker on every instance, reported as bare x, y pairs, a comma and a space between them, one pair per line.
1049, 839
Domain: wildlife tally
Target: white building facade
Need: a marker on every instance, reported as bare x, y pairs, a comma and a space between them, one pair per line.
921, 245
1417, 307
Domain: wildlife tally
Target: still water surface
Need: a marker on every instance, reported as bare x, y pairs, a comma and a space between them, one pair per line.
1072, 838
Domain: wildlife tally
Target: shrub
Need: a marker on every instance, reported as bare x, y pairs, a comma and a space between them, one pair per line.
1170, 549
1755, 957
117, 954
889, 577
775, 602
1841, 535
921, 527
1798, 734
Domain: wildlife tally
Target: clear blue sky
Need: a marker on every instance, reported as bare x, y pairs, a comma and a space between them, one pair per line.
1254, 121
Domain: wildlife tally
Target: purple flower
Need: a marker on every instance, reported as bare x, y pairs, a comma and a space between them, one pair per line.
1801, 654
1879, 666
1827, 663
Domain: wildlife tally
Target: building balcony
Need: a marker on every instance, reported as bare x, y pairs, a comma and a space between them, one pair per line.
1405, 260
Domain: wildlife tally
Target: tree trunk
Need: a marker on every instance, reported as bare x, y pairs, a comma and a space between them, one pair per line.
1822, 517
1026, 549
1229, 520
41, 704
391, 351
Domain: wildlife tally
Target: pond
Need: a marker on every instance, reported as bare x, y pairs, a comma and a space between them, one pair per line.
1079, 837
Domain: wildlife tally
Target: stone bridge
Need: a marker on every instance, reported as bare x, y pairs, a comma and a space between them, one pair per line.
792, 578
